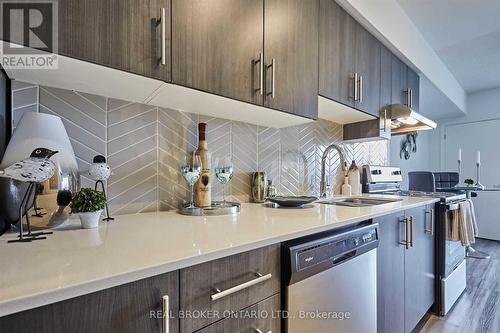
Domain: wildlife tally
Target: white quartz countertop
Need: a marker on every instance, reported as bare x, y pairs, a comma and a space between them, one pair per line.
73, 262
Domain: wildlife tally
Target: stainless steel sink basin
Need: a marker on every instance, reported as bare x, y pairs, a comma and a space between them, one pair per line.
359, 202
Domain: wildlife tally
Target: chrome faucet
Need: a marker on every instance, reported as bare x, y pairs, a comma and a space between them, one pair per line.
323, 185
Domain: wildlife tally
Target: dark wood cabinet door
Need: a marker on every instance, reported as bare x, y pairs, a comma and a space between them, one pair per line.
123, 34
368, 68
133, 307
413, 82
399, 81
261, 317
385, 89
390, 274
419, 268
337, 43
291, 44
385, 77
216, 46
200, 283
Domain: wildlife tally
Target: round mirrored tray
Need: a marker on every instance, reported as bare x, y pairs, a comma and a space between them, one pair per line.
217, 208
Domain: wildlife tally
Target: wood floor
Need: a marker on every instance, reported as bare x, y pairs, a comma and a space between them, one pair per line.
478, 310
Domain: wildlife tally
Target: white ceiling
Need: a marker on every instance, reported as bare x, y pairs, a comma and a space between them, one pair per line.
466, 36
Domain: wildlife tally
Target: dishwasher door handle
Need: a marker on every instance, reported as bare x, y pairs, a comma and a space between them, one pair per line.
343, 258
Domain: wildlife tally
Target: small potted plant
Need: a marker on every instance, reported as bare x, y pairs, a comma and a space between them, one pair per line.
88, 204
469, 182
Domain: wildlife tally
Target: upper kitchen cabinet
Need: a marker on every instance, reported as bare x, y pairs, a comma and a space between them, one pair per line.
218, 47
261, 52
349, 60
291, 56
414, 89
367, 68
130, 35
405, 84
337, 43
399, 81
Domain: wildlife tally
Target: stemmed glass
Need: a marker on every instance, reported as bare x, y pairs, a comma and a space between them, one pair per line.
191, 171
223, 172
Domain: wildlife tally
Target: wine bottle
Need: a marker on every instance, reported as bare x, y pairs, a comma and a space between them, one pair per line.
202, 187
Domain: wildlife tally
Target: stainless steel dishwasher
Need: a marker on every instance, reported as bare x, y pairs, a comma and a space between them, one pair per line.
330, 282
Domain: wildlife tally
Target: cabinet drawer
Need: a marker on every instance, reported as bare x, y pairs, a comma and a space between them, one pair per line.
237, 281
261, 317
129, 308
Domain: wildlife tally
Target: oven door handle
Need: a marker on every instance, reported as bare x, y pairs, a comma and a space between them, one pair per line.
453, 206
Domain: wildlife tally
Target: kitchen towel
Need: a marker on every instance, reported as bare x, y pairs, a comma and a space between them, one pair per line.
463, 226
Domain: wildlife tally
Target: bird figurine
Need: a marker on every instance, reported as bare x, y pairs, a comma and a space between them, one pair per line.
34, 170
100, 171
38, 168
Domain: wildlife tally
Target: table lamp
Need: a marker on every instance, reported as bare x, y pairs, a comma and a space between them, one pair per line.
39, 130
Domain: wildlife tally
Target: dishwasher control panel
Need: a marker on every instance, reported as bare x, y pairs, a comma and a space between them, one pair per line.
331, 249
312, 254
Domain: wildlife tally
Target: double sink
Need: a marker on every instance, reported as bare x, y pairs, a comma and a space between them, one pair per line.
359, 202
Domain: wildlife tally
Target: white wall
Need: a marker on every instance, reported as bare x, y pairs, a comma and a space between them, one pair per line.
482, 105
419, 161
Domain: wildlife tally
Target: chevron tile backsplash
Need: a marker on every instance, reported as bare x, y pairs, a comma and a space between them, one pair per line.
145, 145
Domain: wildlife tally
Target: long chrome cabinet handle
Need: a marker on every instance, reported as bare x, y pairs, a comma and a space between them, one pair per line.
273, 78
411, 230
411, 97
354, 79
360, 89
166, 315
433, 216
428, 230
223, 293
163, 21
385, 120
407, 92
405, 242
260, 89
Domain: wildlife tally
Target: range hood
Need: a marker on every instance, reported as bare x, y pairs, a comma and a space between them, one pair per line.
404, 120
395, 119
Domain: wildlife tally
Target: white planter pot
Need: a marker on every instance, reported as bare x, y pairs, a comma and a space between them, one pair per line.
90, 220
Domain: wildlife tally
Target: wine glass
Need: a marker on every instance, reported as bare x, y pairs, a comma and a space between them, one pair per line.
191, 171
223, 172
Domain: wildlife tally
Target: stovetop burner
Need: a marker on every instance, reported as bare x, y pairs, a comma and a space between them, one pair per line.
444, 196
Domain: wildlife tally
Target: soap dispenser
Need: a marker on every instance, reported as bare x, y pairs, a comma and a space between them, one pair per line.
346, 188
354, 178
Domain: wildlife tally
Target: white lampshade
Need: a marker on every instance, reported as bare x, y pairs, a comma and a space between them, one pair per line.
40, 130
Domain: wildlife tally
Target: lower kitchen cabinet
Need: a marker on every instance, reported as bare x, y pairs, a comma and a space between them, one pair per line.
230, 284
132, 307
419, 267
261, 317
390, 275
405, 272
